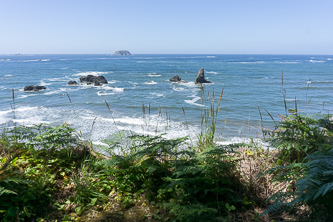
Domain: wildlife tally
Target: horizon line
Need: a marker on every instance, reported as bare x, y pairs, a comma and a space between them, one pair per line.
19, 54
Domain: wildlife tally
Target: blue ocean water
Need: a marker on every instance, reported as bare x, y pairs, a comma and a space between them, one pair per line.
249, 82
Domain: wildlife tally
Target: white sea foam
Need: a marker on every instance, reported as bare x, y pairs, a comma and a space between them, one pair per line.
257, 62
60, 79
94, 73
194, 101
26, 95
289, 62
316, 61
234, 140
61, 90
37, 60
115, 89
112, 82
329, 59
157, 94
43, 83
153, 75
212, 72
99, 93
8, 75
211, 56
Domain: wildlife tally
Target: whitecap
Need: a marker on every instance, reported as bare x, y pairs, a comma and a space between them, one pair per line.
316, 61
42, 83
115, 89
94, 73
211, 56
8, 75
26, 95
154, 75
212, 72
194, 100
99, 93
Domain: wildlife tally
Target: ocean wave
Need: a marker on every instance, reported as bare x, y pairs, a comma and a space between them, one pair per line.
43, 83
212, 72
59, 79
211, 56
194, 100
157, 94
26, 95
234, 140
285, 62
8, 75
112, 81
37, 60
154, 74
316, 61
61, 91
99, 93
115, 89
94, 73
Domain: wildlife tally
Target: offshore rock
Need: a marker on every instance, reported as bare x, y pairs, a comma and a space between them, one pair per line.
96, 80
201, 77
72, 82
176, 78
122, 53
34, 88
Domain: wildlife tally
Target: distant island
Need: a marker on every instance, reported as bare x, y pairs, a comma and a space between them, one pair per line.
122, 53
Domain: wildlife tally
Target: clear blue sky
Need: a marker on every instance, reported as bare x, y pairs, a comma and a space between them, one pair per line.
166, 26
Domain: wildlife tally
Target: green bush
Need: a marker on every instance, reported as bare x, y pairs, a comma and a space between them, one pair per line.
296, 136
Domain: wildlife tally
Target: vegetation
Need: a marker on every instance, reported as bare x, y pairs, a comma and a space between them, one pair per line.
49, 174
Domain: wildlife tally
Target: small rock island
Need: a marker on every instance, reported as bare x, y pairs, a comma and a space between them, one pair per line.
122, 53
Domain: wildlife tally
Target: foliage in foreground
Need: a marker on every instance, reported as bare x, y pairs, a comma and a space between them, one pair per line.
305, 163
190, 185
47, 173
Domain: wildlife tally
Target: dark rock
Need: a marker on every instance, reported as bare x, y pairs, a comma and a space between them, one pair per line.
176, 78
96, 80
34, 88
201, 77
72, 82
122, 53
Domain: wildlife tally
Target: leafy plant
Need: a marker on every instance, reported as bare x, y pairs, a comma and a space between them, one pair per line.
296, 136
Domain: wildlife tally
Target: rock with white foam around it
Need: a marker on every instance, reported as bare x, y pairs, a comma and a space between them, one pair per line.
201, 77
96, 80
176, 78
34, 88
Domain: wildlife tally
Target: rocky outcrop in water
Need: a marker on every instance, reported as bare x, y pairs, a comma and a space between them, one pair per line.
201, 77
72, 82
34, 88
176, 78
122, 53
96, 80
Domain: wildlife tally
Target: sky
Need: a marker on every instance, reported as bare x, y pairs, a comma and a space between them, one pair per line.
166, 26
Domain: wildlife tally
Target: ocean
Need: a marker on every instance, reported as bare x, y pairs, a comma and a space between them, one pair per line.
171, 109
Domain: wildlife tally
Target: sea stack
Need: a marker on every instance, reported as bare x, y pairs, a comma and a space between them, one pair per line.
122, 53
201, 77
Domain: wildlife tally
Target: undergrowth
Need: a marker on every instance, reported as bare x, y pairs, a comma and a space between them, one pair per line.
49, 174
